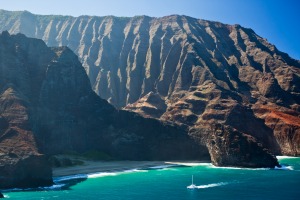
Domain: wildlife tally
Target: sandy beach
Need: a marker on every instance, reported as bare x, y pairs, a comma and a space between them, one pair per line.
114, 166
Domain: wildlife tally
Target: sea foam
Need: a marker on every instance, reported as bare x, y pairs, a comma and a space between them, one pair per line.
72, 177
104, 174
284, 167
101, 174
162, 166
189, 164
53, 187
285, 157
239, 168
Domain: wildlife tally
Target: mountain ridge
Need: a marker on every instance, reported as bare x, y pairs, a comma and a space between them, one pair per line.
204, 71
213, 81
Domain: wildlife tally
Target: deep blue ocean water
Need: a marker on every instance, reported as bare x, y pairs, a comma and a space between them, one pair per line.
171, 183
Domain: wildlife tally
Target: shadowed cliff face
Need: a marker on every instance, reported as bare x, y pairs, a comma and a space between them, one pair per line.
48, 107
46, 91
126, 58
21, 164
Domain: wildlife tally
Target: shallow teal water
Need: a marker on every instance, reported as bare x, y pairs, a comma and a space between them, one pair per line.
171, 183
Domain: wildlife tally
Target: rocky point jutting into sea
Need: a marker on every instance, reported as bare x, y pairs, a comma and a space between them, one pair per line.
217, 90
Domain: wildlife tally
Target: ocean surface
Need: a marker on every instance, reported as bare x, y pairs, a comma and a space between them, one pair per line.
169, 182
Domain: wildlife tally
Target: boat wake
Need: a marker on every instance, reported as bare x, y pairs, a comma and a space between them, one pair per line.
211, 185
193, 186
206, 186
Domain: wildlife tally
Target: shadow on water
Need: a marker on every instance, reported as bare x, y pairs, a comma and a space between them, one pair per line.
61, 183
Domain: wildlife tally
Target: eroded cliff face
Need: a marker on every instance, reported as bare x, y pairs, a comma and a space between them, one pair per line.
21, 163
179, 69
229, 147
48, 107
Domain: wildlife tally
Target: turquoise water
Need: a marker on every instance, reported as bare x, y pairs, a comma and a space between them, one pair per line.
171, 183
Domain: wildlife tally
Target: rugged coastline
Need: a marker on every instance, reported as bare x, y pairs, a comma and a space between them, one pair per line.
48, 108
179, 69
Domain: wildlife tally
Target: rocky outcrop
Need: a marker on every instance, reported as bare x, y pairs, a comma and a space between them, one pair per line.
284, 123
151, 105
179, 69
228, 147
23, 172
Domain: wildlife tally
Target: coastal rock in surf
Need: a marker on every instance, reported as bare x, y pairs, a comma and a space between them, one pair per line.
28, 171
1, 195
229, 147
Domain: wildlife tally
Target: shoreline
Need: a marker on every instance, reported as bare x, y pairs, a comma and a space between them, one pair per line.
90, 167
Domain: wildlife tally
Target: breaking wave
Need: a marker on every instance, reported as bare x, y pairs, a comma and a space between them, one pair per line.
284, 167
240, 168
162, 166
285, 157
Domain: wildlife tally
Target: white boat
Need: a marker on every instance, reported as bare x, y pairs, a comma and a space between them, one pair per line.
192, 186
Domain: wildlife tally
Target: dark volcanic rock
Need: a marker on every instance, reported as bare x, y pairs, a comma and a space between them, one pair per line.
200, 72
28, 171
55, 102
1, 195
229, 147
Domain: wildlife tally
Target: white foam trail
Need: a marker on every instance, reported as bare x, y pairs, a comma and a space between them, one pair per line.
211, 185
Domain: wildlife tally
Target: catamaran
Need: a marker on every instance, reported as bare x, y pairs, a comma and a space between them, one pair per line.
192, 186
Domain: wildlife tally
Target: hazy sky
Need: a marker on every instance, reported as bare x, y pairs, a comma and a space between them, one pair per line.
276, 20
